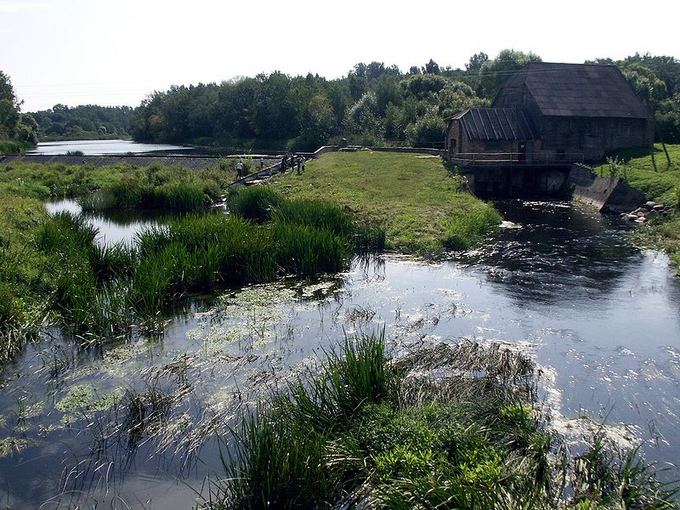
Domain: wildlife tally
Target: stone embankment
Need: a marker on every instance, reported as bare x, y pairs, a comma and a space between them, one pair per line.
646, 212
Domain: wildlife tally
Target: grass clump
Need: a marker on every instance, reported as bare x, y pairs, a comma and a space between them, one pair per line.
254, 203
371, 432
421, 208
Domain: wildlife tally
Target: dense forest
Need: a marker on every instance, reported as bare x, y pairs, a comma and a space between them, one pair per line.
373, 104
84, 122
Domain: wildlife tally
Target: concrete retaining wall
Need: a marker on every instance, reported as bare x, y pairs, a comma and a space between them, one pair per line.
604, 193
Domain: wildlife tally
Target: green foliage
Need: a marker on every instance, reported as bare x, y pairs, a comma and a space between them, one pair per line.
14, 126
493, 73
466, 231
85, 122
254, 203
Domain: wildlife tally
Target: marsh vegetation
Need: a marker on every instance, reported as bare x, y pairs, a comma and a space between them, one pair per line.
441, 427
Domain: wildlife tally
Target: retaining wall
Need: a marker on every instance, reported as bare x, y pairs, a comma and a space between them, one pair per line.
604, 193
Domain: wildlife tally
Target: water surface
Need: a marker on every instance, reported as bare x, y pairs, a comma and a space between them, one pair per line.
101, 147
559, 281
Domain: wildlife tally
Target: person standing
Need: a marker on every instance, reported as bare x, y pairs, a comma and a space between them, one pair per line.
302, 164
239, 169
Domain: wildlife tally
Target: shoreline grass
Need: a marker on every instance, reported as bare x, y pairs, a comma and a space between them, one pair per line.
661, 185
103, 292
367, 431
421, 207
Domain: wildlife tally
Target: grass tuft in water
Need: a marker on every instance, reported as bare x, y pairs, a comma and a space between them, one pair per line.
359, 434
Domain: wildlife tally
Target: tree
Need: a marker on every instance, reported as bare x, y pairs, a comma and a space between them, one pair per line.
9, 107
427, 131
431, 68
476, 61
494, 72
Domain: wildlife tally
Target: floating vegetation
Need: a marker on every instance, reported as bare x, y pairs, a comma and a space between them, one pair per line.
82, 400
13, 446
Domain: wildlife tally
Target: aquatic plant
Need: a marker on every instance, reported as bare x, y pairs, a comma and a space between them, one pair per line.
305, 251
366, 431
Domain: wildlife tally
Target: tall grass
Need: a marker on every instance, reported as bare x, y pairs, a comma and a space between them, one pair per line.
467, 230
254, 203
132, 193
307, 251
261, 203
350, 436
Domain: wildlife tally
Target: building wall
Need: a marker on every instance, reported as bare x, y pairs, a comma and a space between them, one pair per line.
590, 139
458, 145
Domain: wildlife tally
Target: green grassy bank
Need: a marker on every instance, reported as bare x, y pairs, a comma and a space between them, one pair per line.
422, 208
367, 431
661, 185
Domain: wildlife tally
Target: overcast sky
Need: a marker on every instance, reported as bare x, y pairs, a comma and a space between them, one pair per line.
116, 52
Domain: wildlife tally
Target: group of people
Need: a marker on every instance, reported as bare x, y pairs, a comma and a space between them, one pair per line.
288, 161
293, 161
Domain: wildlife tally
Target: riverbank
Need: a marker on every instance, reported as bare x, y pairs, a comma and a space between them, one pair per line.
423, 208
660, 184
157, 403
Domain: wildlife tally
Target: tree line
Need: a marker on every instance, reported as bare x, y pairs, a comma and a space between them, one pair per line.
373, 104
84, 122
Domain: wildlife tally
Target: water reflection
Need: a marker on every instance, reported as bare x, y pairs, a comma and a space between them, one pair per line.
554, 251
114, 226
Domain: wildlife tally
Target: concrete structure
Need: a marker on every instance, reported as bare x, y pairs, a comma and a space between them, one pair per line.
549, 114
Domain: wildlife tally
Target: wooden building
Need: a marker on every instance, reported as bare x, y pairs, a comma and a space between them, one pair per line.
551, 113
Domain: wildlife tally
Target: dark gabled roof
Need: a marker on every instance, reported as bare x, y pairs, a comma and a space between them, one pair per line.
496, 124
579, 90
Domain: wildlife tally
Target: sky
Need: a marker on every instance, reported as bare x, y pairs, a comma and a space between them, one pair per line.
116, 52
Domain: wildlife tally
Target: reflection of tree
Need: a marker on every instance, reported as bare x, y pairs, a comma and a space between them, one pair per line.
559, 250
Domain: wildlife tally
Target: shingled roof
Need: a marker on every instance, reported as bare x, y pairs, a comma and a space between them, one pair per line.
579, 90
496, 124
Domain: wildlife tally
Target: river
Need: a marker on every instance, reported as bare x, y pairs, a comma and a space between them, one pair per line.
559, 281
102, 147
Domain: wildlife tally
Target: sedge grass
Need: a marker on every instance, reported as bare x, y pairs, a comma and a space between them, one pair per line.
350, 435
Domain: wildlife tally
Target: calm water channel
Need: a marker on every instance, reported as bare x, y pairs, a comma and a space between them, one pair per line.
101, 147
559, 281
